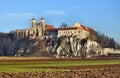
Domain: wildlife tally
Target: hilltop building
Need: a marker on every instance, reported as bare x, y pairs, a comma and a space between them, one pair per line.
36, 30
77, 30
43, 30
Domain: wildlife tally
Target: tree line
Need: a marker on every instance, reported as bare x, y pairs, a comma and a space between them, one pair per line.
106, 41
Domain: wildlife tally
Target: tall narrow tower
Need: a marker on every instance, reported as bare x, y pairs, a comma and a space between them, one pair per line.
42, 24
33, 22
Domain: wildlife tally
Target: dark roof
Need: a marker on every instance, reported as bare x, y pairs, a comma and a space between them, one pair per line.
38, 23
41, 18
52, 30
33, 19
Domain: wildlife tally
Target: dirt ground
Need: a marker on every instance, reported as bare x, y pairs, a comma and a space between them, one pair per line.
98, 71
43, 59
106, 71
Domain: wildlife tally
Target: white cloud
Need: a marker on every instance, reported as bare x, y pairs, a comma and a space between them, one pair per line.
55, 12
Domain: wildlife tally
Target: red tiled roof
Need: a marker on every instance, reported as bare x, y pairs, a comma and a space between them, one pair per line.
53, 29
70, 28
49, 26
90, 29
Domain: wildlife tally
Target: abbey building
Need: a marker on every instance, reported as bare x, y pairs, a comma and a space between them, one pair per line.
43, 30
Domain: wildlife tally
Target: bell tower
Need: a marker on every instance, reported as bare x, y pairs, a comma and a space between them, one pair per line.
33, 22
42, 24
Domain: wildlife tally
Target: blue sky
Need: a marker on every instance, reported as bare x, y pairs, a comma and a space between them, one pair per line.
101, 15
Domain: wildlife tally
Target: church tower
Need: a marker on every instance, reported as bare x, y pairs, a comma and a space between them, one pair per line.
33, 23
42, 24
33, 27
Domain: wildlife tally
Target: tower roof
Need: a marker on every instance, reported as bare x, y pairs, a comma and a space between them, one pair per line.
42, 19
33, 19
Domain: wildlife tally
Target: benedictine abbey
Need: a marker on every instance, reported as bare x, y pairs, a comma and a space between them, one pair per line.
42, 30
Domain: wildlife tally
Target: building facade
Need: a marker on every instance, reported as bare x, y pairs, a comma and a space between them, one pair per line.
77, 30
36, 30
42, 29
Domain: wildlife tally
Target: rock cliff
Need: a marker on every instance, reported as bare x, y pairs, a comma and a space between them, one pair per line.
62, 47
72, 47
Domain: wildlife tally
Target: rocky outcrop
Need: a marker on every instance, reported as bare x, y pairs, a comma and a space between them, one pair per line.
34, 47
62, 47
22, 47
72, 47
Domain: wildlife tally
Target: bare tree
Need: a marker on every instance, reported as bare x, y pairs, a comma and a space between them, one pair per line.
64, 25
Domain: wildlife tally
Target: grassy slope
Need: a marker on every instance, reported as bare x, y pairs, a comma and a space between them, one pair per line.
19, 66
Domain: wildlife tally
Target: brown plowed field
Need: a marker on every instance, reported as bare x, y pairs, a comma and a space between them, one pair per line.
92, 73
96, 71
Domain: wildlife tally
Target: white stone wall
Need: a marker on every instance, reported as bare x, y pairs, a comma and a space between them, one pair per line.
93, 49
110, 50
81, 34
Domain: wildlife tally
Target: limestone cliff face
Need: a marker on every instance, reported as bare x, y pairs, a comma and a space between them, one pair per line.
65, 47
68, 47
